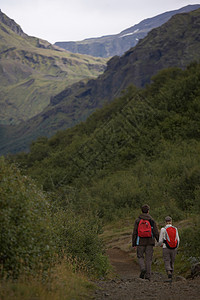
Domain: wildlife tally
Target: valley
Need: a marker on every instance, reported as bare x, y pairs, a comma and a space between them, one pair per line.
75, 171
163, 47
32, 71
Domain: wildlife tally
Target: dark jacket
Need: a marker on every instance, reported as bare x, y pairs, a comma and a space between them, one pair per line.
145, 240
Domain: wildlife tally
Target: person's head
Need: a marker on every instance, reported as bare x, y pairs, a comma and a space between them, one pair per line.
168, 220
145, 208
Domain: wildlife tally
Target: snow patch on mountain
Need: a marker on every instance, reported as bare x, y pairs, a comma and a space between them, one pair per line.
129, 33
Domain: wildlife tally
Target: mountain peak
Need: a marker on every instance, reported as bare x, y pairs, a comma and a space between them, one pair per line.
11, 24
118, 44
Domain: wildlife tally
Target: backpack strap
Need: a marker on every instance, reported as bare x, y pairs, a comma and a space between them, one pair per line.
152, 226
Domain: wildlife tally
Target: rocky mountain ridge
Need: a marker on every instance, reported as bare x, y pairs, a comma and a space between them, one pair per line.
174, 44
32, 71
11, 24
118, 44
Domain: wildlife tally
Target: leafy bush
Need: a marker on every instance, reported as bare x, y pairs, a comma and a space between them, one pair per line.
35, 235
77, 238
190, 240
25, 223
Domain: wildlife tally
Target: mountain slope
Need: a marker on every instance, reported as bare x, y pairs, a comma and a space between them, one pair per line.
143, 146
176, 43
32, 71
110, 45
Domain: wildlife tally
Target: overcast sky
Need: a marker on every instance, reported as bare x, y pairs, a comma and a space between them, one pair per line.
74, 20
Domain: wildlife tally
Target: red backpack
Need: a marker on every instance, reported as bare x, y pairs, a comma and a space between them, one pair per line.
144, 228
171, 240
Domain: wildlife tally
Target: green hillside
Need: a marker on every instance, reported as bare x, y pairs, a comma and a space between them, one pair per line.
143, 147
174, 44
32, 71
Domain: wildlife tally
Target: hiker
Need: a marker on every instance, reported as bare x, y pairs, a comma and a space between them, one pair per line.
169, 240
144, 234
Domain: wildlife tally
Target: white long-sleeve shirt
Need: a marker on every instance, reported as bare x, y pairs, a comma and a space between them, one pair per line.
162, 236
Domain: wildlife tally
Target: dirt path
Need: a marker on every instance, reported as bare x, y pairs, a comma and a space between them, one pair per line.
128, 286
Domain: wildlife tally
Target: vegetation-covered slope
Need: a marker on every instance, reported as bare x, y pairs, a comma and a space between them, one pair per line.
117, 44
176, 43
32, 71
143, 147
37, 234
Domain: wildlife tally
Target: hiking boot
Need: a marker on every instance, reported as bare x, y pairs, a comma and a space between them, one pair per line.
169, 274
143, 272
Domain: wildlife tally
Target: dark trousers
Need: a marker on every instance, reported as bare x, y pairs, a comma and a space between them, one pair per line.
145, 255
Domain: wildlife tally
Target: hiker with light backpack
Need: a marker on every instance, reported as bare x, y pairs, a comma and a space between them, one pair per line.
143, 238
169, 240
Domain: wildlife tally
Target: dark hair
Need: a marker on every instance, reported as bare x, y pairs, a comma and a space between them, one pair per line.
145, 208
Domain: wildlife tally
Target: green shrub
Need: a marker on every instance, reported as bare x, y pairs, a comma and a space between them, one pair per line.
35, 235
25, 224
77, 237
190, 240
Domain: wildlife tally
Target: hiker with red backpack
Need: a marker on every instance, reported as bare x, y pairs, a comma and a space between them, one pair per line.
144, 234
169, 240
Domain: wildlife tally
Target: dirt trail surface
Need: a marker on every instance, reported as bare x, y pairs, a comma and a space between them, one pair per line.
128, 286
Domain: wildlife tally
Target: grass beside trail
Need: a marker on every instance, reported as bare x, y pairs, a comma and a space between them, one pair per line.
61, 284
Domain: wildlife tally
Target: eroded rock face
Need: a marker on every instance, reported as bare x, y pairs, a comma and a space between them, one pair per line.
11, 23
118, 44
